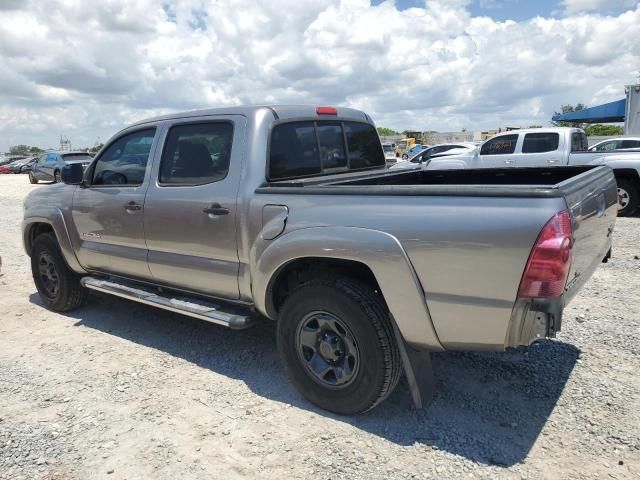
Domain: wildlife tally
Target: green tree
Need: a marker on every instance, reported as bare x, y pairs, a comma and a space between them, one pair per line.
568, 109
96, 147
24, 150
386, 132
598, 130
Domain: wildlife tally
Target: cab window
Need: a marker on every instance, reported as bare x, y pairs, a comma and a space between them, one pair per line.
540, 142
124, 161
196, 154
501, 145
305, 148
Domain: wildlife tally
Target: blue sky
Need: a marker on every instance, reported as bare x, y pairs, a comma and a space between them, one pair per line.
517, 10
141, 58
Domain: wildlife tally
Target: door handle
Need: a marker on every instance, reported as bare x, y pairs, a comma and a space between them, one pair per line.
552, 161
215, 209
508, 161
132, 206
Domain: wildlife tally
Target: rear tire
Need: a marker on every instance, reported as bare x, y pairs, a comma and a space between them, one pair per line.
405, 156
628, 197
32, 178
365, 366
59, 286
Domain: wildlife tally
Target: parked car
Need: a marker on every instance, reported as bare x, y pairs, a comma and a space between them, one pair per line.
442, 150
417, 148
288, 213
559, 146
10, 159
18, 166
49, 165
424, 159
622, 143
27, 166
389, 152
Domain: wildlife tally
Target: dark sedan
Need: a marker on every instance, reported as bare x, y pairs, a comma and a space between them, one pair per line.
49, 166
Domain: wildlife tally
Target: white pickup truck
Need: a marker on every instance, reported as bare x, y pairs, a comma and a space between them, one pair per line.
543, 147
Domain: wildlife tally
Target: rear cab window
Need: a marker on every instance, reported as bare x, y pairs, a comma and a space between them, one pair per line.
307, 148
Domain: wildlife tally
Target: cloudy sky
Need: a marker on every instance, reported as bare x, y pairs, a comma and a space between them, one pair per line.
86, 69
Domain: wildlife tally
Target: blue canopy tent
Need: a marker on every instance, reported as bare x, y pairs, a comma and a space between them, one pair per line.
607, 113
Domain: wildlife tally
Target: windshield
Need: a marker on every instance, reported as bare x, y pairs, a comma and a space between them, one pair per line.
69, 157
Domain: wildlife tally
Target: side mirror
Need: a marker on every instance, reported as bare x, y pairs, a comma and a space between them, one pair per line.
72, 174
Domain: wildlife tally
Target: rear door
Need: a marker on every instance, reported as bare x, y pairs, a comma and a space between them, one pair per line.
499, 151
190, 209
108, 212
541, 149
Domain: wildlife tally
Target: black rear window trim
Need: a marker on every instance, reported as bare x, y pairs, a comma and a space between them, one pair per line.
323, 172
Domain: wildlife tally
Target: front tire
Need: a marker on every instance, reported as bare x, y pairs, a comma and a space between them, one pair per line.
59, 286
32, 178
336, 340
628, 197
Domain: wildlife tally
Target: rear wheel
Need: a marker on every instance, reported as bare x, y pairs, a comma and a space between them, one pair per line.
405, 156
56, 177
59, 286
336, 341
32, 178
628, 197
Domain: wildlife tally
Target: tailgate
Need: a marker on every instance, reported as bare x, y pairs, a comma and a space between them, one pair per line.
593, 204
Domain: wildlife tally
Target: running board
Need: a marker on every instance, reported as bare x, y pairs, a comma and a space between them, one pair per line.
192, 307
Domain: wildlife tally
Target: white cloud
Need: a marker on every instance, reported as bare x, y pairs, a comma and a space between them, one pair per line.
86, 69
574, 6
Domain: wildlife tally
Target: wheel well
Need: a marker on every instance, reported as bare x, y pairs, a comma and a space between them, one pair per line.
302, 270
627, 173
37, 229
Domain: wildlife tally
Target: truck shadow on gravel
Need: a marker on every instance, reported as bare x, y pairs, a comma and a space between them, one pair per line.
489, 407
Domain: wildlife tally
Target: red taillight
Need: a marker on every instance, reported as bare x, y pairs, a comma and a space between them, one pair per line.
548, 267
326, 110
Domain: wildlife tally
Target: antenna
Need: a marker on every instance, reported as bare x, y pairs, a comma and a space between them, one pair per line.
65, 144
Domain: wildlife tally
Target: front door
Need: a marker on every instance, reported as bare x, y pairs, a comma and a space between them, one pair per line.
499, 151
190, 209
108, 212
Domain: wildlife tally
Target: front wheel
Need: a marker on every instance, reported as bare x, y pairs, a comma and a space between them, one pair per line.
628, 197
32, 178
336, 341
59, 286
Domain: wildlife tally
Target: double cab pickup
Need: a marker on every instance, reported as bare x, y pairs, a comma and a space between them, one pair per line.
289, 214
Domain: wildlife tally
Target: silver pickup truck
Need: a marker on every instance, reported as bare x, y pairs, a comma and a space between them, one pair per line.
288, 213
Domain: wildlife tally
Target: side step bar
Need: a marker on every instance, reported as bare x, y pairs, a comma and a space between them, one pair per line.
192, 307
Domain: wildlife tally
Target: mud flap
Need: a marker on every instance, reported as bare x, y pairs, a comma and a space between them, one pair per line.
418, 370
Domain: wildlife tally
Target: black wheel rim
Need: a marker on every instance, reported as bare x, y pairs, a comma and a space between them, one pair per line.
48, 274
327, 349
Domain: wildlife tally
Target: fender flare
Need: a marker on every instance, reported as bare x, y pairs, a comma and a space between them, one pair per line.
381, 252
54, 218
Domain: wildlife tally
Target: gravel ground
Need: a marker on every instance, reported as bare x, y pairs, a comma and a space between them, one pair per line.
118, 390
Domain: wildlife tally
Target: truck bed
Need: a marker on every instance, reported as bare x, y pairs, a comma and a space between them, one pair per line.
467, 233
507, 182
